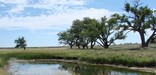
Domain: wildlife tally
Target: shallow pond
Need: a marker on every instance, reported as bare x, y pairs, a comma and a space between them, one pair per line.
62, 68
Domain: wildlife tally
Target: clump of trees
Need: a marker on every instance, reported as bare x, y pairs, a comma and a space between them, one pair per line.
20, 43
105, 31
91, 31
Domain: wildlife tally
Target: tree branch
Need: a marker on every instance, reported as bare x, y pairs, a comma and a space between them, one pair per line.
100, 44
149, 39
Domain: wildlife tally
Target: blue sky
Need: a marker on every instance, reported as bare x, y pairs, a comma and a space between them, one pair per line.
39, 21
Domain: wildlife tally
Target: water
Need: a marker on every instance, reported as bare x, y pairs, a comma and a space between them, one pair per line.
62, 68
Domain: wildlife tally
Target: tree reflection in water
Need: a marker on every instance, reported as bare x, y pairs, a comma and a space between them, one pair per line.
86, 69
64, 68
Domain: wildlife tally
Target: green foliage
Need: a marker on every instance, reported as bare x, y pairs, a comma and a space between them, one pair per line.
20, 43
107, 32
66, 38
90, 30
83, 32
138, 19
127, 7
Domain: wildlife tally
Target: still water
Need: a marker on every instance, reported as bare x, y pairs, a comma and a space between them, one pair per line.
62, 68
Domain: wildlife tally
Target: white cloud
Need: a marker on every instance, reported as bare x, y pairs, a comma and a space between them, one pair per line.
64, 2
14, 1
63, 14
17, 9
44, 4
44, 21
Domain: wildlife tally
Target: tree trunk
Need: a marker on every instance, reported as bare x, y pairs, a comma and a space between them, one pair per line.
83, 47
92, 45
142, 36
24, 48
106, 45
150, 38
71, 46
78, 46
87, 46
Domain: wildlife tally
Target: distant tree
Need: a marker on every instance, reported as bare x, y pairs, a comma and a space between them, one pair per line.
107, 32
20, 43
66, 38
138, 19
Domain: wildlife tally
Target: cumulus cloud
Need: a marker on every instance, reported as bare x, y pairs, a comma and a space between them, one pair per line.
60, 13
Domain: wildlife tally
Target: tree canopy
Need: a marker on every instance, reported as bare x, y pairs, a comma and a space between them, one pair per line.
20, 43
66, 38
139, 19
108, 33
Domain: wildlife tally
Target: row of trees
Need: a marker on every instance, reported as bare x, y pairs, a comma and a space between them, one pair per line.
105, 31
90, 31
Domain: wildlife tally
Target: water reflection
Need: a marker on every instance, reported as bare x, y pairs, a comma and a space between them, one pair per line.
81, 69
18, 68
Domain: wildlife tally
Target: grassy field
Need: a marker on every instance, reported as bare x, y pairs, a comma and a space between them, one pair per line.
139, 58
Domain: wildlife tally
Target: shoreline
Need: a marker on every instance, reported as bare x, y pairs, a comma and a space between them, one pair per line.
141, 69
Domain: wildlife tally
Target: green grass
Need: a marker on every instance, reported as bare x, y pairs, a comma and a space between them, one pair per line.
140, 58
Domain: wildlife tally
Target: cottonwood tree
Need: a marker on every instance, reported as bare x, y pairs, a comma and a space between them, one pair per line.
20, 43
82, 32
107, 32
66, 38
85, 32
76, 30
90, 30
79, 30
139, 19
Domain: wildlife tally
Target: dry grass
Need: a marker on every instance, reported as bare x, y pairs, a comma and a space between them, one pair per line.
2, 72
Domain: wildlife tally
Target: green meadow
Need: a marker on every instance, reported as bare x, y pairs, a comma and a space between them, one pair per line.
124, 57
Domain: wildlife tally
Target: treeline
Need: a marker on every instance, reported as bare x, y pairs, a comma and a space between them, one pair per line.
105, 31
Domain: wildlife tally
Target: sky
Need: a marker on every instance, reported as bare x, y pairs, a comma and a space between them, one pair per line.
39, 21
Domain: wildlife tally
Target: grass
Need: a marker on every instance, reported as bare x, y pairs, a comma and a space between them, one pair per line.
139, 58
2, 72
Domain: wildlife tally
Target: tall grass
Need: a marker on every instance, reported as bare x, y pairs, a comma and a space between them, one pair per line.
140, 58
